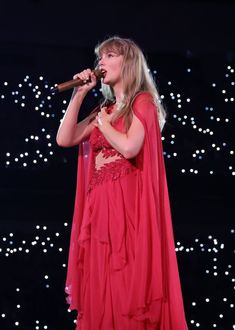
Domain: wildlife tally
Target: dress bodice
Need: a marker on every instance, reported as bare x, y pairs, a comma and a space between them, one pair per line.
107, 163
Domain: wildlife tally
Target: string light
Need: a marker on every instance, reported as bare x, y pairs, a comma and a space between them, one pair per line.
43, 104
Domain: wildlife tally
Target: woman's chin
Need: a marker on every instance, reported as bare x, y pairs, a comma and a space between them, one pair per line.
106, 81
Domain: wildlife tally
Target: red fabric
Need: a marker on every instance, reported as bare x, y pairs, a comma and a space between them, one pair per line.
122, 271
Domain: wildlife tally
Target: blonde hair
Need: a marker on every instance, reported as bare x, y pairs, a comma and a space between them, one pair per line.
136, 77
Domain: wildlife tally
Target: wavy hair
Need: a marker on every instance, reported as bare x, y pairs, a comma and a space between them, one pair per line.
136, 77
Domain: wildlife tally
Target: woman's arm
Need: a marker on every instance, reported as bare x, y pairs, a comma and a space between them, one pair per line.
128, 144
70, 132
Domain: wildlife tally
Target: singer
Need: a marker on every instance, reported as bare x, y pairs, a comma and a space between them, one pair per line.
122, 270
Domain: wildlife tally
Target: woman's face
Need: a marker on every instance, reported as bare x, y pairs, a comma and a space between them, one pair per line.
110, 64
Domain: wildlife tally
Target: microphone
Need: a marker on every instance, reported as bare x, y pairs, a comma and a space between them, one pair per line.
74, 83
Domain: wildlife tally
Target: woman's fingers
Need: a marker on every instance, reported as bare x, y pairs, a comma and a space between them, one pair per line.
84, 75
88, 77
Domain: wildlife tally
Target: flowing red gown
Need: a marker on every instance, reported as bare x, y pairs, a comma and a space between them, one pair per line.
122, 270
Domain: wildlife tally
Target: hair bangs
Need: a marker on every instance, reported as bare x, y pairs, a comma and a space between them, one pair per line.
110, 45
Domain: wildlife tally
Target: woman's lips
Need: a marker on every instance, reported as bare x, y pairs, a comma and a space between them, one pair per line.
103, 72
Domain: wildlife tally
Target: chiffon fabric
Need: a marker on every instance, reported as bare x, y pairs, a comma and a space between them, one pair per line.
122, 269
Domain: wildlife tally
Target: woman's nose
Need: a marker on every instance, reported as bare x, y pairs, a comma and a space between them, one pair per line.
101, 61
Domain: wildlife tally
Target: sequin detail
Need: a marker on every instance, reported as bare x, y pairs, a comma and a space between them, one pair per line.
114, 165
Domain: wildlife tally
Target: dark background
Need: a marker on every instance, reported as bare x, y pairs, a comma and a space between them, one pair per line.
55, 39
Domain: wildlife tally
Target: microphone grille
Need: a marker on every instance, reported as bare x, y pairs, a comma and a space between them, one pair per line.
98, 73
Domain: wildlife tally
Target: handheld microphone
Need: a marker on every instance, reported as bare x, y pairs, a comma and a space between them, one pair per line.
74, 83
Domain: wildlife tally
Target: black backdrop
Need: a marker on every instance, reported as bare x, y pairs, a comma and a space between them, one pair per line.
55, 40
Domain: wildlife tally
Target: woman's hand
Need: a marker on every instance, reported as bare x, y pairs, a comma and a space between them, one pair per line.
88, 78
128, 144
103, 119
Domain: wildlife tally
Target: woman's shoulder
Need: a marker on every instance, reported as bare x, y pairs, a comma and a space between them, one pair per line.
144, 107
142, 96
143, 101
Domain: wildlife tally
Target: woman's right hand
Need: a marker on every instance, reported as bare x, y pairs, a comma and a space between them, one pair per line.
87, 76
71, 132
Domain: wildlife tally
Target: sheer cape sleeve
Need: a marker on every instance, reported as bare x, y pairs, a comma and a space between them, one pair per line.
155, 290
74, 269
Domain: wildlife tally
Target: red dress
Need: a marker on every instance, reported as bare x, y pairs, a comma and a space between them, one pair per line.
122, 270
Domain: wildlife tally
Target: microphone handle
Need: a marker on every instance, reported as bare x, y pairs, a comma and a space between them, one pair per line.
74, 83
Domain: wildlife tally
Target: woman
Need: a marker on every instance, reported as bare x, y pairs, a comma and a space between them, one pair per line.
122, 270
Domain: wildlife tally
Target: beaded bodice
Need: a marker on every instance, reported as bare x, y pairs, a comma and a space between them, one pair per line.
108, 164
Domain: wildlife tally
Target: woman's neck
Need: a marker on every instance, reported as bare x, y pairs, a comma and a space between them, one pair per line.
119, 94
